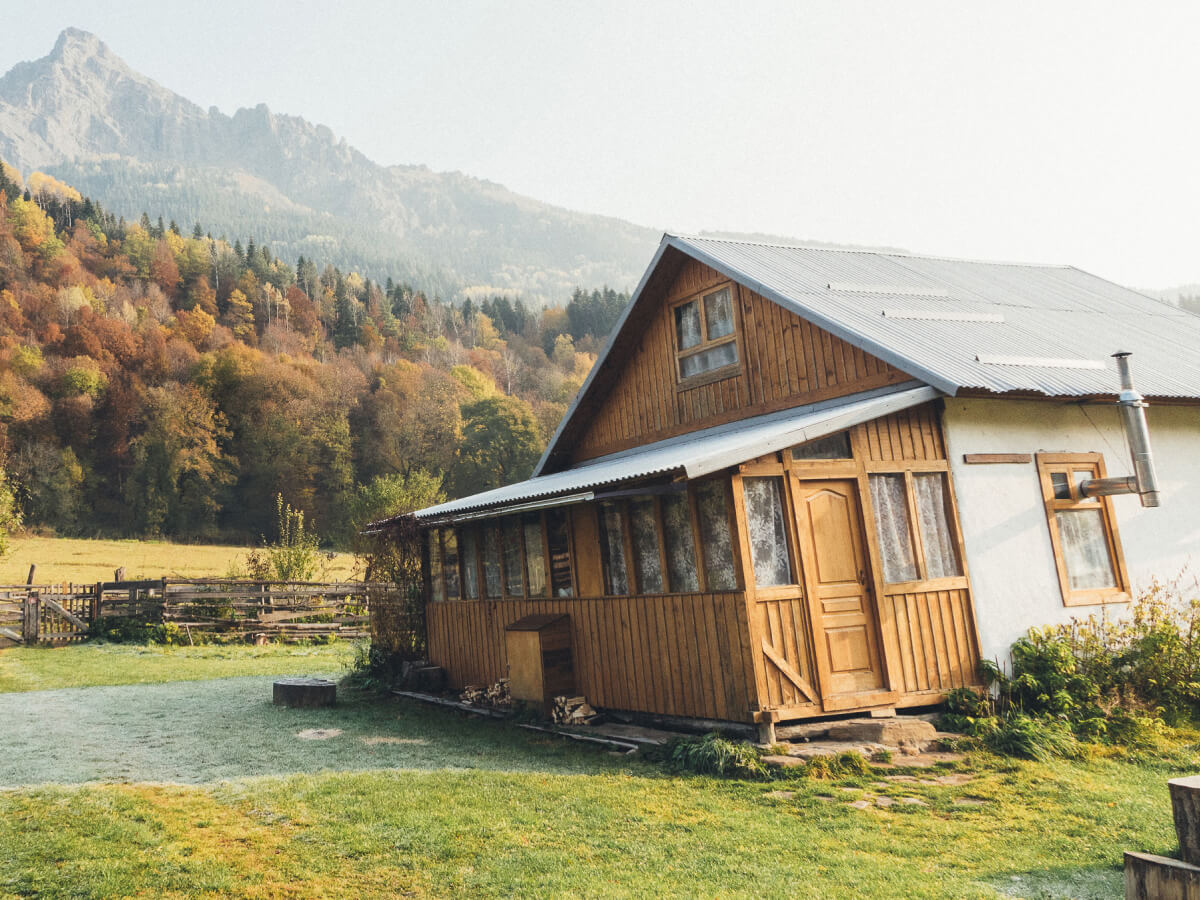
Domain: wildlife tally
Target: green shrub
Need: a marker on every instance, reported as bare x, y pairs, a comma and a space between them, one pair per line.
373, 668
1109, 680
713, 754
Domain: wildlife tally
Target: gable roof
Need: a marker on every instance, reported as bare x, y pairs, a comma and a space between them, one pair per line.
950, 323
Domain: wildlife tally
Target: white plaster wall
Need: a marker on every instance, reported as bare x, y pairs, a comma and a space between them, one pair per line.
1005, 532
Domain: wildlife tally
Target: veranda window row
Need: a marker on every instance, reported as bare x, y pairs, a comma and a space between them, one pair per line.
514, 556
679, 542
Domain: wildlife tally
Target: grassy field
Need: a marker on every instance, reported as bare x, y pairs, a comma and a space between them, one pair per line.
180, 789
91, 664
84, 561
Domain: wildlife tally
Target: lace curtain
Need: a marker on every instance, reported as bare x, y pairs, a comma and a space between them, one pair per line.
1085, 549
941, 554
767, 533
681, 546
892, 524
470, 572
491, 560
714, 532
435, 564
612, 550
535, 556
647, 561
514, 584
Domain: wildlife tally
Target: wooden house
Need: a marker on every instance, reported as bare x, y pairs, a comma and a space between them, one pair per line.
802, 481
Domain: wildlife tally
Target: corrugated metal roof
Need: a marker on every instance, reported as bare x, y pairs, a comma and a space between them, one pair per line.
699, 453
1049, 313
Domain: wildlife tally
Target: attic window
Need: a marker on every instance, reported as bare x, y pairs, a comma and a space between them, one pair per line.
706, 337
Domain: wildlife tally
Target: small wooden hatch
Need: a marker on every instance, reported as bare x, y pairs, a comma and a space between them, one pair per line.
540, 664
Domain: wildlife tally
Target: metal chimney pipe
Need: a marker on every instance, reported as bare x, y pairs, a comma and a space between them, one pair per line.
1144, 481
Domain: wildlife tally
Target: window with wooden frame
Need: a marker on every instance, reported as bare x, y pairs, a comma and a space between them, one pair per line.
1083, 531
649, 544
515, 556
914, 524
706, 343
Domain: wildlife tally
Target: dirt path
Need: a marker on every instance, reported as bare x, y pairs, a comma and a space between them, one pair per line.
195, 732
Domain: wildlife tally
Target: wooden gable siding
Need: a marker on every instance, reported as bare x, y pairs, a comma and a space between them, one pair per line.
786, 361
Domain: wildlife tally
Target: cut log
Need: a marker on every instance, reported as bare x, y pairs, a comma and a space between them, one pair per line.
304, 692
1185, 804
1149, 877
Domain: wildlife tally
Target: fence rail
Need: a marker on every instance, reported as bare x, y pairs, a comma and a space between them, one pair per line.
275, 610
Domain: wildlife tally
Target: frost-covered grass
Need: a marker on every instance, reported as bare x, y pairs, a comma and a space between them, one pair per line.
205, 788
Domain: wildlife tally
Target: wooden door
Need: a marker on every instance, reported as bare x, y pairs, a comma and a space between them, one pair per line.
833, 552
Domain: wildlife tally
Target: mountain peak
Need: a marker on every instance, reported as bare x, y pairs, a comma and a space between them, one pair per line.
77, 50
76, 40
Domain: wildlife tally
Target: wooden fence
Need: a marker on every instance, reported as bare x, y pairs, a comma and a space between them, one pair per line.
288, 611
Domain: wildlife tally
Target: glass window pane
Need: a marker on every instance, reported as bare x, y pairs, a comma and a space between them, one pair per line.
470, 563
687, 324
535, 555
510, 528
707, 360
1085, 549
437, 587
647, 561
892, 525
1061, 483
561, 584
450, 562
836, 446
713, 512
612, 550
767, 534
941, 553
491, 559
718, 314
681, 545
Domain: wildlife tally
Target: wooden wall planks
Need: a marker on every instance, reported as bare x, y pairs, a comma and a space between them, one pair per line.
786, 361
936, 636
676, 654
914, 435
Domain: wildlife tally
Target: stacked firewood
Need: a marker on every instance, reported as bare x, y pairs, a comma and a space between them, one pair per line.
572, 711
494, 695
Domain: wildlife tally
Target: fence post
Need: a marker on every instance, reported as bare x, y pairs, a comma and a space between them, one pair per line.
31, 620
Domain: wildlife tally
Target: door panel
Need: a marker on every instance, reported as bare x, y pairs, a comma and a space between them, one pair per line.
834, 558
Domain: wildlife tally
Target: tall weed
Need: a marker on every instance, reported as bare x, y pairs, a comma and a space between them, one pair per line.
1113, 679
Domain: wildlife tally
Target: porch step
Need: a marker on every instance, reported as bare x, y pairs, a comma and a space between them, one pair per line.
907, 735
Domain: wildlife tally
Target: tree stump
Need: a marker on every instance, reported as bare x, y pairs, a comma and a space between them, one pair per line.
1185, 803
304, 692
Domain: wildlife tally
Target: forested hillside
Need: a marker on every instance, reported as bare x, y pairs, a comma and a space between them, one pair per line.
159, 381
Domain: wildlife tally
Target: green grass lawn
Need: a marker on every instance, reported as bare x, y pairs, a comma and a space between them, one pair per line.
204, 788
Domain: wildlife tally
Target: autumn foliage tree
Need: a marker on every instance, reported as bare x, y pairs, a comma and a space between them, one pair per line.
155, 380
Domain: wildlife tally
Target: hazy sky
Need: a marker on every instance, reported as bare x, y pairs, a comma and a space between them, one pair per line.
1050, 132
